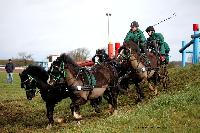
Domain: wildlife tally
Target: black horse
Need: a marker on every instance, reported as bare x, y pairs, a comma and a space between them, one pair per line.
36, 77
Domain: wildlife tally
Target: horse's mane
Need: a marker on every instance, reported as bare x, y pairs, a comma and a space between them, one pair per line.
36, 72
68, 60
131, 45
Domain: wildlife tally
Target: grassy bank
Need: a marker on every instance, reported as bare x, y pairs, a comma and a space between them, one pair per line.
173, 110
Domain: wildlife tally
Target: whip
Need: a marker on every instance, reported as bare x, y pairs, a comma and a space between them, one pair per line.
173, 15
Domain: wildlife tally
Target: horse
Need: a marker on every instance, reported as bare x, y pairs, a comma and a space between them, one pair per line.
141, 70
36, 77
102, 57
153, 47
86, 84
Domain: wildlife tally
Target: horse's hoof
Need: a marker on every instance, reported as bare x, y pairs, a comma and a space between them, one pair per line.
98, 110
49, 126
110, 106
139, 100
115, 112
77, 116
78, 123
156, 92
61, 120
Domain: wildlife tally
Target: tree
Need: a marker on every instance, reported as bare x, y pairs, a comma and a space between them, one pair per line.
25, 58
80, 54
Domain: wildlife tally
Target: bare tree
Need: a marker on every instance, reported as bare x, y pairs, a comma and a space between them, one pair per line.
25, 57
79, 54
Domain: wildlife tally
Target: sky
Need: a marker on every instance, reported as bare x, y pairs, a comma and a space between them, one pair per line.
45, 27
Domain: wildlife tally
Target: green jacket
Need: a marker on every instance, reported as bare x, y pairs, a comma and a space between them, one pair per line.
136, 36
167, 49
164, 47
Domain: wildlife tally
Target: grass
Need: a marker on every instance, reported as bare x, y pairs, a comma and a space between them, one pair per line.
173, 110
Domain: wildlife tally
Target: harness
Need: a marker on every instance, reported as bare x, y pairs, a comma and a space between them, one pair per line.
86, 77
61, 72
141, 57
30, 80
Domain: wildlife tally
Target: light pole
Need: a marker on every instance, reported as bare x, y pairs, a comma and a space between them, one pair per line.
108, 15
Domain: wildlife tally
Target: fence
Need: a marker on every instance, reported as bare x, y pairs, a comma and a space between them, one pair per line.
195, 42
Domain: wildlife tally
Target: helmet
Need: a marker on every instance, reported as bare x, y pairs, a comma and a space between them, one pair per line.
150, 28
134, 24
9, 60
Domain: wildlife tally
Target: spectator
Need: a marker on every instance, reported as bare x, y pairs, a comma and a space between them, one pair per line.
9, 69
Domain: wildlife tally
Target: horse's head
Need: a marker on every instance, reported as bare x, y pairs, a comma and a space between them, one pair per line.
100, 51
29, 84
30, 78
126, 50
100, 56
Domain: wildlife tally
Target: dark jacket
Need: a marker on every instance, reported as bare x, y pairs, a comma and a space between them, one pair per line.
9, 67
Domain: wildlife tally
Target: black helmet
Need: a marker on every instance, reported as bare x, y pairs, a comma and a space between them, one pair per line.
134, 24
150, 28
9, 60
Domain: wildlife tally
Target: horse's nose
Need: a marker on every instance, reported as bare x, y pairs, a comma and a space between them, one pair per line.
48, 80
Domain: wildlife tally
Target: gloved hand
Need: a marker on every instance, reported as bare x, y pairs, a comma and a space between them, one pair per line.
124, 44
162, 58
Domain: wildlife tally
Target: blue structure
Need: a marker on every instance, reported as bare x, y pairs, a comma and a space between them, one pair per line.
43, 64
195, 42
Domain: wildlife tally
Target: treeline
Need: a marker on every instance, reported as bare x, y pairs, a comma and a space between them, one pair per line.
17, 62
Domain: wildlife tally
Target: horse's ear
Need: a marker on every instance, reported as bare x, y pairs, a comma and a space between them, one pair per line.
20, 74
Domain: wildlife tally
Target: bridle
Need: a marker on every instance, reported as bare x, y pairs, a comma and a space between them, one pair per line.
126, 57
30, 80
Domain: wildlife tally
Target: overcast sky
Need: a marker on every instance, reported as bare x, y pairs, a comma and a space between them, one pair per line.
43, 27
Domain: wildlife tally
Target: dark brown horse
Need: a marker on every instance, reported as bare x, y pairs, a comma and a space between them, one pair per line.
85, 85
140, 68
102, 57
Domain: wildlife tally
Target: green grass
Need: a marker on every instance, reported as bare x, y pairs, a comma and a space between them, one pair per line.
173, 110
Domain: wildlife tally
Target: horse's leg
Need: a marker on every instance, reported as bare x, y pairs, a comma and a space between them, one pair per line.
125, 85
140, 92
112, 100
107, 97
50, 109
153, 87
75, 107
95, 103
115, 92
